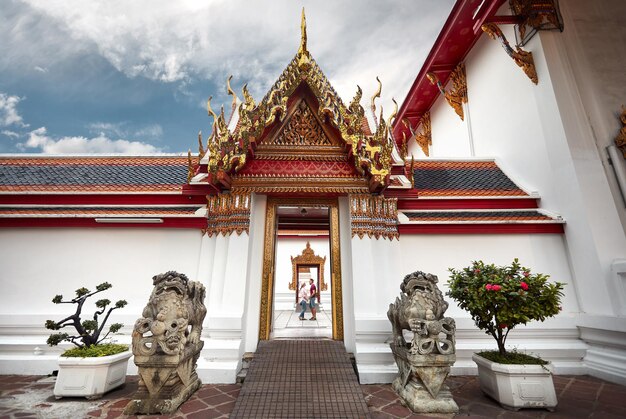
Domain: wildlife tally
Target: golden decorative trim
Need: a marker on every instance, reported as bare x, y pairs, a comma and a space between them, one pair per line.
308, 257
296, 189
456, 96
620, 140
228, 213
300, 184
267, 280
230, 150
302, 129
335, 273
536, 15
283, 155
374, 216
524, 59
191, 167
424, 137
412, 172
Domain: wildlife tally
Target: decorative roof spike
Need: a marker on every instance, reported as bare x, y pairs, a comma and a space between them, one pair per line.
231, 92
190, 167
357, 98
211, 113
394, 113
201, 150
304, 58
248, 101
373, 100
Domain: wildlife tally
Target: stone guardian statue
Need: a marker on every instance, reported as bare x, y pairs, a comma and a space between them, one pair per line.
423, 345
166, 344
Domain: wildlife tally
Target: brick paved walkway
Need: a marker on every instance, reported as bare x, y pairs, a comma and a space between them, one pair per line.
301, 379
579, 397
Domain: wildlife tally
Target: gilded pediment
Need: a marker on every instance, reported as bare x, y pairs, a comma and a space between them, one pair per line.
302, 129
301, 118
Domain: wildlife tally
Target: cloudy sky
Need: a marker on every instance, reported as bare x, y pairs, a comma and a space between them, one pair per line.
114, 76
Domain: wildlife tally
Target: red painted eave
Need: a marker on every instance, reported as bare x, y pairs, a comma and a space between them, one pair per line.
456, 39
74, 222
480, 229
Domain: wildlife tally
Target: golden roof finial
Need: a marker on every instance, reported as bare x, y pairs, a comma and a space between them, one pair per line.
303, 49
303, 54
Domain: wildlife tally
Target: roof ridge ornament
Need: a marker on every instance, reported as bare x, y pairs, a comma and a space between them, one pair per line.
304, 57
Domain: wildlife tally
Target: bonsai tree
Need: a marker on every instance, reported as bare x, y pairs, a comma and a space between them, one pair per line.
88, 332
501, 297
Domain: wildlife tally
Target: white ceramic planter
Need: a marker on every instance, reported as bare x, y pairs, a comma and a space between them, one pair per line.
517, 386
90, 377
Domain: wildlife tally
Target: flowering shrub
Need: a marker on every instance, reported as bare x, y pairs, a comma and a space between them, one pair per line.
501, 297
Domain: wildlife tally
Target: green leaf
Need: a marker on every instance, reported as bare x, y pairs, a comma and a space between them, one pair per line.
90, 325
103, 286
57, 338
57, 299
52, 325
103, 303
115, 327
120, 304
82, 291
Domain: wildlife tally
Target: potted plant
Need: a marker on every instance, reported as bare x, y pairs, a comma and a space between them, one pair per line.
92, 368
499, 298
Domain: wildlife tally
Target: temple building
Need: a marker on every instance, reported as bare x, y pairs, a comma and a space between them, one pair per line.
498, 152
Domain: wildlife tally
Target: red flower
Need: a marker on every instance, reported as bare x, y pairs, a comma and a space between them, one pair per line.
526, 273
476, 271
488, 287
503, 326
523, 285
496, 288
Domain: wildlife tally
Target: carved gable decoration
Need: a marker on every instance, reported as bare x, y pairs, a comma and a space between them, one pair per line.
302, 129
300, 119
302, 135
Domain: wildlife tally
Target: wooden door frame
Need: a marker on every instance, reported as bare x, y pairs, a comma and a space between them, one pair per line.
269, 254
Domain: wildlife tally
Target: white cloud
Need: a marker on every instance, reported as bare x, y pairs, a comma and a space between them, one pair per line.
40, 69
149, 131
122, 129
8, 111
10, 134
353, 41
39, 139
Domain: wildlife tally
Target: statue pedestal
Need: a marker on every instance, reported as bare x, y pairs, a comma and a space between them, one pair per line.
419, 400
165, 382
420, 381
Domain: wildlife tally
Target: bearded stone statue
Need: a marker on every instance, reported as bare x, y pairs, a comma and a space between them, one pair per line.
166, 344
424, 360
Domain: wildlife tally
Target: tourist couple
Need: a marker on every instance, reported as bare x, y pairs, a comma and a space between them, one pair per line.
308, 295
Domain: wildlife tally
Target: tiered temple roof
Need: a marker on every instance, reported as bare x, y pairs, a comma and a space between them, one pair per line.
300, 139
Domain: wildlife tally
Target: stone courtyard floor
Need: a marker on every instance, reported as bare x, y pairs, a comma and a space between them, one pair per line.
579, 397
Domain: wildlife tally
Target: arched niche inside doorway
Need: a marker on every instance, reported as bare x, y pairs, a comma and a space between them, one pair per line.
303, 262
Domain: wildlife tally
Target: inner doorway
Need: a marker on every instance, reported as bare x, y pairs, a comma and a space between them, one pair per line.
301, 244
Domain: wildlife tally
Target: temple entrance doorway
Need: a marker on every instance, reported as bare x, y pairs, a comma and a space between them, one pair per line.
301, 247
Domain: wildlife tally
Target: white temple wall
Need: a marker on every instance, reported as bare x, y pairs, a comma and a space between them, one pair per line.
38, 264
287, 247
552, 138
451, 133
595, 45
556, 339
255, 272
